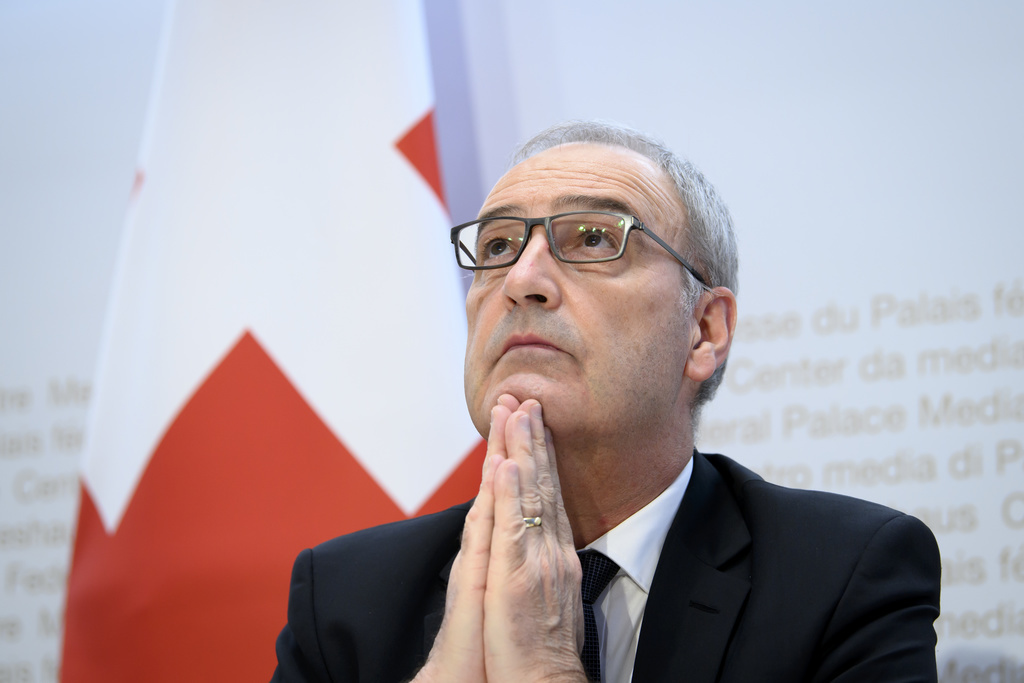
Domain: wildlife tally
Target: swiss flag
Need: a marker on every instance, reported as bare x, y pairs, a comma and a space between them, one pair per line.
282, 358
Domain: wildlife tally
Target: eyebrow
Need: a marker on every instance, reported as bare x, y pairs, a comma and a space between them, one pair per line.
571, 202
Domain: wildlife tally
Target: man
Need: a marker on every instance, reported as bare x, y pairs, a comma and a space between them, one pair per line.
594, 339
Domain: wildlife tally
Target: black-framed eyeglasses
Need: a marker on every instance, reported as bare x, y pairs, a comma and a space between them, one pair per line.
574, 237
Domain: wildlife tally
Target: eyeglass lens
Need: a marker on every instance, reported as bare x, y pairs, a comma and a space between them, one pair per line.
577, 237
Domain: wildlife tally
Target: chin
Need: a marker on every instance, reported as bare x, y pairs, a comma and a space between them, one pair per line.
524, 386
560, 393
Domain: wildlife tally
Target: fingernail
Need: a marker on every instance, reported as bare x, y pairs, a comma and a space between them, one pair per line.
535, 412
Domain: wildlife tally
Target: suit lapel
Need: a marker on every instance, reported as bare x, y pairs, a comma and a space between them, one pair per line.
699, 587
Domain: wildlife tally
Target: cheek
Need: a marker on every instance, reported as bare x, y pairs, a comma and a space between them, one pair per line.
651, 337
477, 329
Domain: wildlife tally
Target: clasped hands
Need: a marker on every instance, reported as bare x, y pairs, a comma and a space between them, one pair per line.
513, 609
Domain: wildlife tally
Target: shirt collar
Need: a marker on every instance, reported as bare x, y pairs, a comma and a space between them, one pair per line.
635, 544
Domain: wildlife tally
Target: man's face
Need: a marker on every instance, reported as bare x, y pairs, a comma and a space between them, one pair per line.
602, 346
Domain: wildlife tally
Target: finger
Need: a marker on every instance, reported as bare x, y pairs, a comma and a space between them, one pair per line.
562, 518
532, 605
519, 440
476, 533
469, 571
474, 553
458, 647
508, 551
496, 434
491, 463
509, 401
542, 464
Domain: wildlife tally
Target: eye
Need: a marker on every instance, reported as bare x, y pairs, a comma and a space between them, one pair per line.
593, 237
497, 248
588, 236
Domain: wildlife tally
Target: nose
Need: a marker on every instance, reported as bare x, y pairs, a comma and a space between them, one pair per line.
536, 276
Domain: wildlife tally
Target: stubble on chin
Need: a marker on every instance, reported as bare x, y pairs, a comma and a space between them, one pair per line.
488, 374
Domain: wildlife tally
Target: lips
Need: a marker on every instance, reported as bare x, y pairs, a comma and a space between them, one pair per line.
528, 341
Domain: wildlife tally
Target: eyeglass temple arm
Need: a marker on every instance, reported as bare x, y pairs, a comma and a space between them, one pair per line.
469, 254
684, 262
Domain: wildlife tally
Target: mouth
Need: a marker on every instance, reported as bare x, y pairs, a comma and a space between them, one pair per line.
528, 341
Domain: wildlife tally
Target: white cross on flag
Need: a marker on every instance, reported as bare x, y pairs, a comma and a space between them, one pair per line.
282, 357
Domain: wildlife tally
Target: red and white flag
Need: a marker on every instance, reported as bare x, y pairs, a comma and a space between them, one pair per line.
282, 358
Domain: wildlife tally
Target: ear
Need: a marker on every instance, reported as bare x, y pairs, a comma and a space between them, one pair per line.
712, 335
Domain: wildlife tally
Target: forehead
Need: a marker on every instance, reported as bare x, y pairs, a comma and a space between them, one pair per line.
553, 180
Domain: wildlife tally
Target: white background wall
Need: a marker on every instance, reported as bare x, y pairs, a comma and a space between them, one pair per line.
871, 156
74, 82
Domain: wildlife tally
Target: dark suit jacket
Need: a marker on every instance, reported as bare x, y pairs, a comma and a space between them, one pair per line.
756, 583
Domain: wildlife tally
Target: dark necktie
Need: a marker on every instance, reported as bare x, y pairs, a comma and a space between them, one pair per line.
598, 570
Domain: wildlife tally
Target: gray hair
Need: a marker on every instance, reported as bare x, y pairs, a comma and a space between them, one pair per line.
710, 243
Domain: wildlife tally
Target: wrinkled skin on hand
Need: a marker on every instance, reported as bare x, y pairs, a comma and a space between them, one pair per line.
513, 610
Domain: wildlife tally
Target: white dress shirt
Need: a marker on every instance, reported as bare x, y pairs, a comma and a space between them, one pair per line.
635, 545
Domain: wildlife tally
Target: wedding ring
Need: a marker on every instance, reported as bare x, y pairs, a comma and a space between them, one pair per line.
531, 522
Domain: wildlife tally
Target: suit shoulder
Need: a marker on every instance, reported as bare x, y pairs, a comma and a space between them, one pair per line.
841, 588
367, 596
424, 537
773, 508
